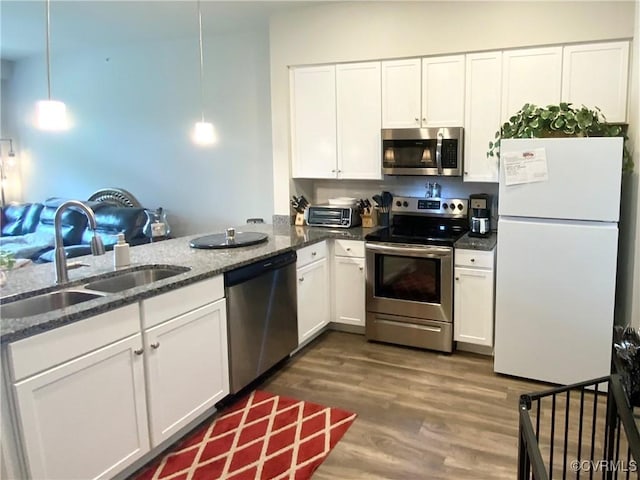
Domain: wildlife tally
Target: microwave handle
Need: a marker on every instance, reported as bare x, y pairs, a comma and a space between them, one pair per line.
439, 153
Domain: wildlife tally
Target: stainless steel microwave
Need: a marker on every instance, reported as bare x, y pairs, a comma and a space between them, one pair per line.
422, 151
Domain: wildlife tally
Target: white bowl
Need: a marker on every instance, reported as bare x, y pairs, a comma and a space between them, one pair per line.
343, 201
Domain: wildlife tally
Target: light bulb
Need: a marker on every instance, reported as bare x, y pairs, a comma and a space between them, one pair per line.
51, 115
204, 133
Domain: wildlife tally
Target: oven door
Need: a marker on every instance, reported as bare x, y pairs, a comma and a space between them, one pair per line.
410, 280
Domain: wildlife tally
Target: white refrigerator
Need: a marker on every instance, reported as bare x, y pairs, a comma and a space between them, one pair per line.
556, 260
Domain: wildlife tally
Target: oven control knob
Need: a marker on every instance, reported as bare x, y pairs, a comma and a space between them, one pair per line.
445, 205
405, 204
460, 207
452, 206
398, 203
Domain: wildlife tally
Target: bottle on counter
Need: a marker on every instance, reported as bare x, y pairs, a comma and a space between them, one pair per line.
121, 256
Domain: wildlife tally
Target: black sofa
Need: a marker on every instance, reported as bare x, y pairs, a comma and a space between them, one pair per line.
28, 231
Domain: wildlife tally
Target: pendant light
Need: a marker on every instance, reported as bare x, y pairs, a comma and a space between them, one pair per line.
50, 114
203, 132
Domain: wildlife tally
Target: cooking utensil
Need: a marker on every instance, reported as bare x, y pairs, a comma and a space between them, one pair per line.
378, 200
387, 198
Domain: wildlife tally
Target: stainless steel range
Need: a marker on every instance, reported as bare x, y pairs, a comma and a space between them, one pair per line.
409, 292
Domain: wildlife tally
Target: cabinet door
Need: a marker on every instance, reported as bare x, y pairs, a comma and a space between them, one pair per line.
596, 75
313, 122
443, 91
401, 93
187, 368
349, 287
532, 75
86, 418
313, 299
359, 120
482, 115
473, 307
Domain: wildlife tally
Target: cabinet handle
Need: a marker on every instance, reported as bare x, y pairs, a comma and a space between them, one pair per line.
348, 249
458, 278
155, 346
424, 119
361, 268
473, 260
333, 171
466, 173
313, 254
139, 351
301, 279
417, 119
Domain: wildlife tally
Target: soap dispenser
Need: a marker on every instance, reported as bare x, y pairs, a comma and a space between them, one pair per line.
121, 252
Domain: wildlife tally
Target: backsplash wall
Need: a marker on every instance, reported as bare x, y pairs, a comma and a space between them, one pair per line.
410, 186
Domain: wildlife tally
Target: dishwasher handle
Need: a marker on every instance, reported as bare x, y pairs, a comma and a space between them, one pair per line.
253, 270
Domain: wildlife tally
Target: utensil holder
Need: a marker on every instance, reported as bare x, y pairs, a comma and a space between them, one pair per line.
383, 218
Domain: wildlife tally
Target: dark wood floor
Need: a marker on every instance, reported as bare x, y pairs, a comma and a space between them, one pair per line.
421, 414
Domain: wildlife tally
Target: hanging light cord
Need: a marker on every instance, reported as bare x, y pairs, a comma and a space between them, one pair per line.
201, 63
48, 53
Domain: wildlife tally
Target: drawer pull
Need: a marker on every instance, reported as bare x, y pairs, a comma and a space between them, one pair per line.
348, 249
473, 259
301, 279
155, 346
361, 268
313, 254
139, 351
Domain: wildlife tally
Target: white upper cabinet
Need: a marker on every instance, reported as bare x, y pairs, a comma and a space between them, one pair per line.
532, 75
443, 91
426, 92
313, 121
483, 95
359, 108
596, 75
401, 93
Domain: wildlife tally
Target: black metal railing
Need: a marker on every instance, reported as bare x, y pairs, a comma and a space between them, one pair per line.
584, 430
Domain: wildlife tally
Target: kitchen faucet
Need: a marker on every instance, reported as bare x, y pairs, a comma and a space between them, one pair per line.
60, 258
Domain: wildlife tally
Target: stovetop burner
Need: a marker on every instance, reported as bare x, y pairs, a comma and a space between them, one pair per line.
428, 222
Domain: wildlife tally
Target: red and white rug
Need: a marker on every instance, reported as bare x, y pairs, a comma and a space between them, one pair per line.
262, 436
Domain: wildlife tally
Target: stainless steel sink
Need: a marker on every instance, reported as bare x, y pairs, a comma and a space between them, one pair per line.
46, 302
126, 280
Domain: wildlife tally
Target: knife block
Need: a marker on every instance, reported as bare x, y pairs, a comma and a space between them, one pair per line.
300, 219
369, 221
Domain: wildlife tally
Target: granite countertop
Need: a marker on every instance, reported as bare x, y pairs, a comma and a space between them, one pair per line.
203, 264
477, 243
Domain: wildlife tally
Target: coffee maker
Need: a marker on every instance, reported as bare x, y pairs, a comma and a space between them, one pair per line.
480, 223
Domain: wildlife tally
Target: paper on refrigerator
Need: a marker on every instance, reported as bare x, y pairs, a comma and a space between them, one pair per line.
527, 166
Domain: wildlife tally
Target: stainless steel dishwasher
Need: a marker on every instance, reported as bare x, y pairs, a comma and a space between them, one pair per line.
262, 317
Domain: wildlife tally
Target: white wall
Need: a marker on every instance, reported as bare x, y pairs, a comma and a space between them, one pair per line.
352, 31
133, 108
630, 241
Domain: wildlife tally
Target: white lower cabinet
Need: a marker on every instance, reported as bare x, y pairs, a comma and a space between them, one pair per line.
474, 297
349, 283
313, 294
85, 417
187, 368
92, 397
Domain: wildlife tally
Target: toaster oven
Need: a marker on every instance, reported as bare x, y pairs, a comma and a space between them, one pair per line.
332, 216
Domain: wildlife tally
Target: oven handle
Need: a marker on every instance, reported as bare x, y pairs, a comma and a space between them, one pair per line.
407, 250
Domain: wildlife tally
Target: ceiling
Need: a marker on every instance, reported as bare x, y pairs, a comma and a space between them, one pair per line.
100, 23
